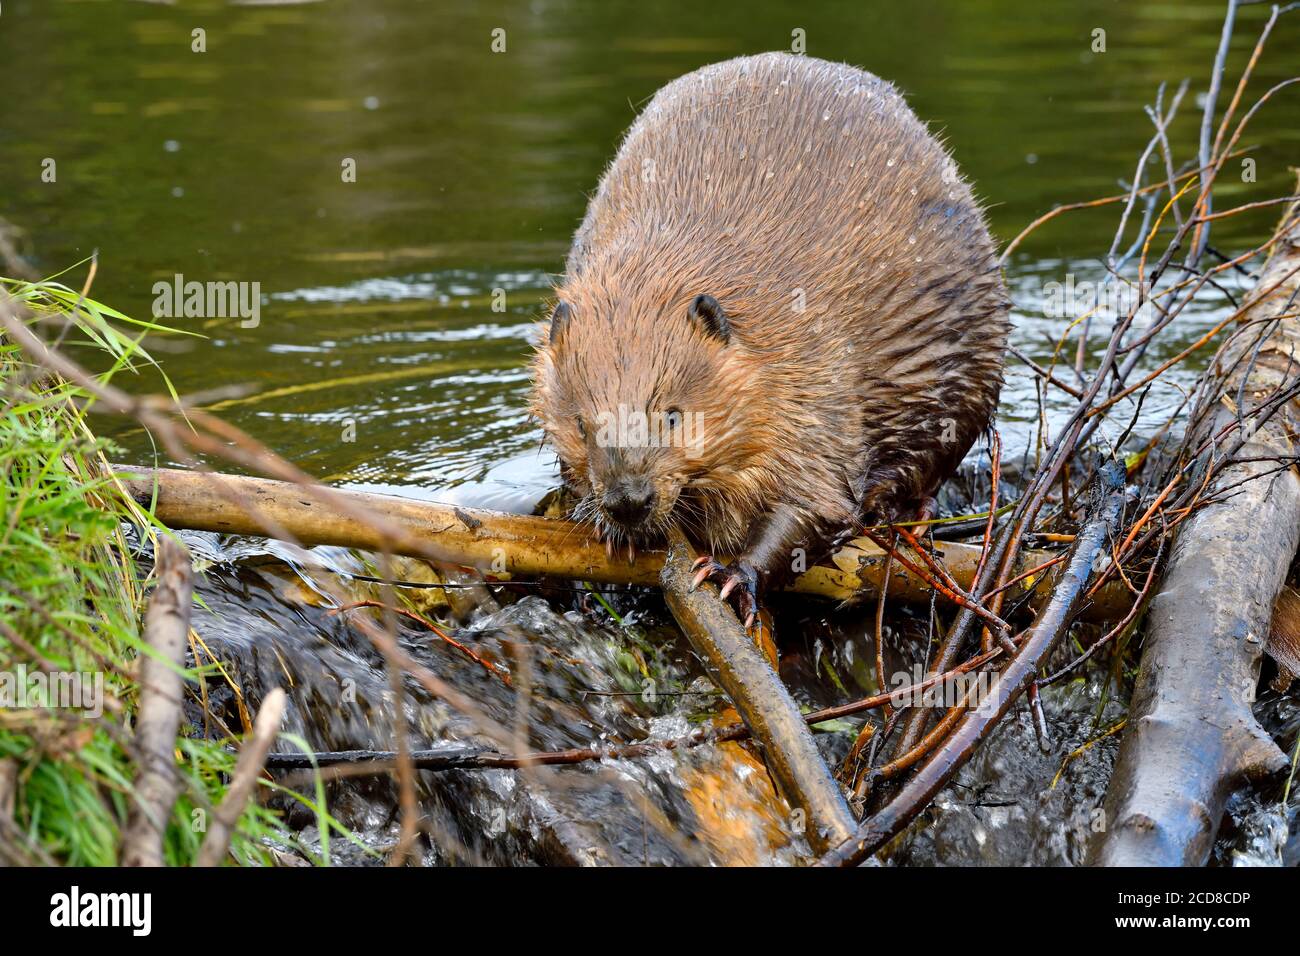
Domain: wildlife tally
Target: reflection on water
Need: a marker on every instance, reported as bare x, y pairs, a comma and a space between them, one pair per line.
381, 356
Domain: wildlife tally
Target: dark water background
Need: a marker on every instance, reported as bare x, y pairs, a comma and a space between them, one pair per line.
473, 168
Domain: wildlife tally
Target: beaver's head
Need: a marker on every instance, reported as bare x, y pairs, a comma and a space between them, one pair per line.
645, 405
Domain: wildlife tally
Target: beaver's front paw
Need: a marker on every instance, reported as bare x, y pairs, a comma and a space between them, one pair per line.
739, 578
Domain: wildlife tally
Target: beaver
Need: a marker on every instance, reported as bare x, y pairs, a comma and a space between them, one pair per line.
782, 314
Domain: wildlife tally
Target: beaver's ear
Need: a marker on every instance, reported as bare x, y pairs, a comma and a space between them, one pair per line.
559, 320
707, 311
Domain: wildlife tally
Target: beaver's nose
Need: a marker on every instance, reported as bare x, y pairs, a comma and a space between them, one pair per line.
629, 502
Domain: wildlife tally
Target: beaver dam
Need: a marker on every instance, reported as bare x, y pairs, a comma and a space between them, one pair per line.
416, 655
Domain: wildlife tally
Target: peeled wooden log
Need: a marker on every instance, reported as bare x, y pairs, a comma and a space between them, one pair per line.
503, 544
760, 697
1191, 737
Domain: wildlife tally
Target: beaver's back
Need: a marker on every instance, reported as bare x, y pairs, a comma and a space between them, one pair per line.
800, 152
811, 201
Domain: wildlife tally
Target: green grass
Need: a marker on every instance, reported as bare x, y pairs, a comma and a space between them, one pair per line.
71, 593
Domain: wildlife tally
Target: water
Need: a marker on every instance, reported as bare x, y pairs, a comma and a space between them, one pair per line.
380, 361
472, 170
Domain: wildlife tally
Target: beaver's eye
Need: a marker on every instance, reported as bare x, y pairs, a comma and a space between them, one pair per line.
673, 418
582, 427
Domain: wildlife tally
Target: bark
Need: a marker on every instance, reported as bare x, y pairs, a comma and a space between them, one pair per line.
1191, 737
166, 631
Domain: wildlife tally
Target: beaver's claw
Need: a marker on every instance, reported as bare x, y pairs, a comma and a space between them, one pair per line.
739, 578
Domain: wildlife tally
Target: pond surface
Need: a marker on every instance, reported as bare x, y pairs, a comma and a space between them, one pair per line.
379, 361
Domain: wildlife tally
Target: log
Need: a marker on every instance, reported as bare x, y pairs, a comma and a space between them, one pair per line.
166, 631
502, 544
1191, 737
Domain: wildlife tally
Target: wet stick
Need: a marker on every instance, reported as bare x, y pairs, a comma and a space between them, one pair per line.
760, 697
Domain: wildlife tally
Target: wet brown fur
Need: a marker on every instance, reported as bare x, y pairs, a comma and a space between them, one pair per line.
750, 180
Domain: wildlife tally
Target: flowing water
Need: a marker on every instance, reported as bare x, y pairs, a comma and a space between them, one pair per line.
395, 316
